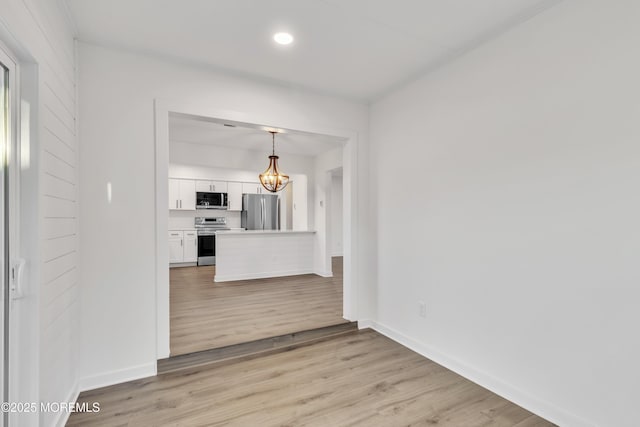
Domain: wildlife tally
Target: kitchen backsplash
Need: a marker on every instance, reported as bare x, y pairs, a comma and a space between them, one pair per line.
179, 220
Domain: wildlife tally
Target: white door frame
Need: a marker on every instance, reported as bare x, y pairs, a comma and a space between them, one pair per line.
350, 223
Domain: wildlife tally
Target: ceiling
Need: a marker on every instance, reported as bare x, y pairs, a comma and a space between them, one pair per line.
198, 130
359, 49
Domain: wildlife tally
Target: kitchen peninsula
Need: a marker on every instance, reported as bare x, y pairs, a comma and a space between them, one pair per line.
255, 254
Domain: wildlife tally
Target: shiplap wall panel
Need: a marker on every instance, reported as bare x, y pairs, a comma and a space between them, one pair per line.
50, 22
51, 248
65, 99
55, 207
59, 285
55, 228
58, 365
44, 30
56, 125
64, 93
61, 84
58, 311
57, 266
57, 147
52, 185
60, 103
57, 167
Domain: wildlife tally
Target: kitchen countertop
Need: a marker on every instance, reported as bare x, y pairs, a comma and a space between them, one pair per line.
253, 232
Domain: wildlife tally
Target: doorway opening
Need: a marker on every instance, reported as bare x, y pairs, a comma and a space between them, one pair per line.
241, 299
336, 219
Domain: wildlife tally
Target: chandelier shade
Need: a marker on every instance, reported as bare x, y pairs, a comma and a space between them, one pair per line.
272, 179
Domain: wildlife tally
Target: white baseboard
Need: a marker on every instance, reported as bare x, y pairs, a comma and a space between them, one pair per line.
165, 353
63, 416
366, 324
324, 273
183, 264
264, 275
537, 406
118, 376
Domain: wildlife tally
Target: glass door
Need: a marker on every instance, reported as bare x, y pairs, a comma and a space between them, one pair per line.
4, 268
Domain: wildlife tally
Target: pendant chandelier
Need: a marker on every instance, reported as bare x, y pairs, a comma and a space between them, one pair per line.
271, 179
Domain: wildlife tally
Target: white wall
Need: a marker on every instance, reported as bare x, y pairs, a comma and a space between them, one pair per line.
38, 33
336, 215
518, 165
117, 92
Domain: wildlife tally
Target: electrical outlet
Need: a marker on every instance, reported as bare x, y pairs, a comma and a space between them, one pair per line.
423, 308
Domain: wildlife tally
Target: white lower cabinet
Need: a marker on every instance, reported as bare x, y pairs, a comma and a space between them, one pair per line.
176, 246
190, 253
183, 246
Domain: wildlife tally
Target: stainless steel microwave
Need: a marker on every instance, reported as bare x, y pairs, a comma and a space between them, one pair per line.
211, 200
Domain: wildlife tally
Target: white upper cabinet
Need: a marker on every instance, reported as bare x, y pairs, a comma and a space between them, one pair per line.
234, 194
174, 194
211, 186
187, 195
203, 186
182, 194
252, 188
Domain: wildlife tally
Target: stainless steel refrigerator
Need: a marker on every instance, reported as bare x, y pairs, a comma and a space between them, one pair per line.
260, 212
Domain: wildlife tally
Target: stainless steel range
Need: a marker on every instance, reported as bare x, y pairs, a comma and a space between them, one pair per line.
207, 228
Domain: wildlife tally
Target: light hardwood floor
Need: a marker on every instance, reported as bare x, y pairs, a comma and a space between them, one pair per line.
361, 379
207, 315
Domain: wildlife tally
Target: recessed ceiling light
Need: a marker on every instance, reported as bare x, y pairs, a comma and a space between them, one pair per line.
283, 38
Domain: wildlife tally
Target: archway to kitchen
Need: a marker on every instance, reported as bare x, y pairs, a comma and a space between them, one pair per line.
171, 162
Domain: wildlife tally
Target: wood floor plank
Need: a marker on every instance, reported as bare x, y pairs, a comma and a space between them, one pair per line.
205, 315
254, 348
362, 379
